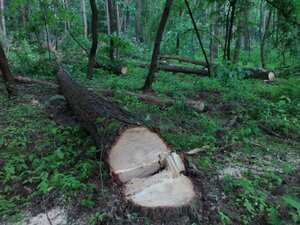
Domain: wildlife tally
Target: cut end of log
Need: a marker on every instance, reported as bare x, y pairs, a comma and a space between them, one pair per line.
124, 70
160, 190
271, 76
135, 154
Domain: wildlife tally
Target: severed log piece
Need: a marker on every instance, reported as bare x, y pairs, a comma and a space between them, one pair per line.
196, 104
178, 69
115, 129
118, 70
249, 72
134, 153
259, 74
180, 59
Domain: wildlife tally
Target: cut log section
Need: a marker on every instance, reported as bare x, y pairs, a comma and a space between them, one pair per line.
178, 69
259, 74
137, 155
118, 70
180, 59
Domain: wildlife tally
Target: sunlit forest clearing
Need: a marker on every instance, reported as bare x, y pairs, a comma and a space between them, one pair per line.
150, 112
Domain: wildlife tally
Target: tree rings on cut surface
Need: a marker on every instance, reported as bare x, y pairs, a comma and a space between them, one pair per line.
135, 154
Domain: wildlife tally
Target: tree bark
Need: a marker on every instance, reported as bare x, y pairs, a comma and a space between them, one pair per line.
93, 50
158, 39
112, 28
138, 21
84, 18
3, 24
263, 41
232, 4
179, 69
134, 153
180, 59
7, 74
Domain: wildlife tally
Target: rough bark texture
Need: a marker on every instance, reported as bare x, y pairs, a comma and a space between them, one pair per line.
93, 49
158, 39
7, 74
134, 153
91, 110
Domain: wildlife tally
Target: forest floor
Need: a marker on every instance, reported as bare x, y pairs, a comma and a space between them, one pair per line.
248, 141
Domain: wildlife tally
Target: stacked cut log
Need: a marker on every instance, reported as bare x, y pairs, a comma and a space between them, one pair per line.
248, 72
138, 156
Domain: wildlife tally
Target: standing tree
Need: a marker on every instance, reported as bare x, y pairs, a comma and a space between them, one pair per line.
84, 19
263, 41
3, 25
198, 36
138, 21
92, 55
7, 74
158, 39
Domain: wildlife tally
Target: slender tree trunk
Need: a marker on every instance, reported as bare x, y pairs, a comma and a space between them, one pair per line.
213, 47
237, 49
93, 50
232, 3
107, 17
158, 39
84, 18
118, 19
198, 36
138, 21
226, 32
7, 74
263, 41
238, 41
247, 44
3, 25
112, 29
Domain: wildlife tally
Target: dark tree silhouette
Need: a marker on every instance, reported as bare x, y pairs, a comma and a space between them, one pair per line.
92, 55
7, 74
158, 38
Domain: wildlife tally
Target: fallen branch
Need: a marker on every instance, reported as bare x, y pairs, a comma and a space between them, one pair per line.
197, 105
268, 131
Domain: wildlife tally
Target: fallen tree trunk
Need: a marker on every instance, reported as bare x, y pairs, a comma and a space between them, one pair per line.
197, 105
249, 73
32, 80
115, 69
180, 59
134, 152
178, 69
259, 74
